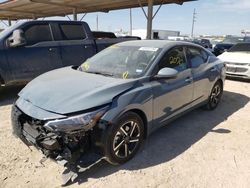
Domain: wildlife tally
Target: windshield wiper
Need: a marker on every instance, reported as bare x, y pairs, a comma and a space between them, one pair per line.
100, 73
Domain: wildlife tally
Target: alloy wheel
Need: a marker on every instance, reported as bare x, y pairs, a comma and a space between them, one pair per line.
215, 95
126, 139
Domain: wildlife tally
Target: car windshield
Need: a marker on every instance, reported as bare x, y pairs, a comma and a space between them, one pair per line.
121, 61
240, 47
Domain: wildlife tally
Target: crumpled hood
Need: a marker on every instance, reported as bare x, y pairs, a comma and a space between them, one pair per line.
66, 90
235, 57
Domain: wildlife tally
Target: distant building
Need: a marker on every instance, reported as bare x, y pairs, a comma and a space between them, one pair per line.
156, 34
245, 32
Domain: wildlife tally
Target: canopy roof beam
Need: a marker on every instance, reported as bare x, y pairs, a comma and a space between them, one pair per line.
53, 3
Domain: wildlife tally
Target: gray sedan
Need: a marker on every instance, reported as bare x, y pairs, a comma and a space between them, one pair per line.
115, 99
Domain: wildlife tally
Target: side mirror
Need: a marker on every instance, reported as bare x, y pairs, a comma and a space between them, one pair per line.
16, 39
167, 73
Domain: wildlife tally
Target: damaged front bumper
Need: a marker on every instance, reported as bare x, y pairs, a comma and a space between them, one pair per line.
63, 140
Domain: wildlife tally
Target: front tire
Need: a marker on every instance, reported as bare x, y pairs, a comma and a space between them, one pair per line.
124, 138
215, 96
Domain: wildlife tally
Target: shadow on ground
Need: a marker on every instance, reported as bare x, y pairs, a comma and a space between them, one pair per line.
172, 140
9, 94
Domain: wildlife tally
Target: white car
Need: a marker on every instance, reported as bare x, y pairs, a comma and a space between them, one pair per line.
237, 60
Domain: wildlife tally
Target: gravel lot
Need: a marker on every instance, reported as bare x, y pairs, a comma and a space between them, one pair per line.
200, 149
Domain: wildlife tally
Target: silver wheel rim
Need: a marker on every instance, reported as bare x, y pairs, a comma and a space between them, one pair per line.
215, 96
126, 139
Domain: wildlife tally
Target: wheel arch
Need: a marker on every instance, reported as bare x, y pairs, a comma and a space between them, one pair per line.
2, 82
144, 119
221, 82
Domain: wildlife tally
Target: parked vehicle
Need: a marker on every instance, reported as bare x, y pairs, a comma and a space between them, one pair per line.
237, 60
114, 100
203, 42
228, 43
31, 48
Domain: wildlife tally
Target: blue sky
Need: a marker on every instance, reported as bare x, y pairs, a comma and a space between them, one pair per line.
213, 17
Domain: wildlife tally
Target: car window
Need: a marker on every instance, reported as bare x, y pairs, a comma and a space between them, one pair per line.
37, 33
196, 56
204, 55
72, 31
175, 58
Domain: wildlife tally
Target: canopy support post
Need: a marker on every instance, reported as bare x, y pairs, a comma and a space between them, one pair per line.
150, 18
9, 21
74, 14
83, 16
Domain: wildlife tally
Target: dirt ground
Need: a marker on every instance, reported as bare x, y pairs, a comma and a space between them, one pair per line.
200, 149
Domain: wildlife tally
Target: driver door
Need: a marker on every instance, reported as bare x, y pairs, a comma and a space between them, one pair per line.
172, 96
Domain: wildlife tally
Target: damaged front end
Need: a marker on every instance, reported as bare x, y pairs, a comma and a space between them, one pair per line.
63, 140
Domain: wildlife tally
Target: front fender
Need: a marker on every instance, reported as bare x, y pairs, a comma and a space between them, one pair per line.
139, 98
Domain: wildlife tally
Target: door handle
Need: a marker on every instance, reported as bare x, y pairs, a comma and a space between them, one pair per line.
52, 49
213, 69
189, 79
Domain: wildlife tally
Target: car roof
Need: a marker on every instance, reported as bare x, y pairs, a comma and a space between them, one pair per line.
156, 43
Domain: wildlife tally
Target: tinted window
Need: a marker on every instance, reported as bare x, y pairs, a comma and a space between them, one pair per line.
37, 33
174, 58
72, 32
196, 56
204, 55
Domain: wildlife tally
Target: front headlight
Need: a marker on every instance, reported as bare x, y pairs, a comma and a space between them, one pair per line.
80, 122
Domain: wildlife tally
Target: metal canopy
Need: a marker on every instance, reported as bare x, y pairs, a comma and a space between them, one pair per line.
29, 9
33, 9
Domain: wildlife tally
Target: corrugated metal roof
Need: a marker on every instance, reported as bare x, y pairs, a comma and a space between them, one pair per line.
28, 9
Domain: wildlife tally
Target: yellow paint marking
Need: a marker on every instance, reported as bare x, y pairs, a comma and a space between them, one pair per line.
125, 75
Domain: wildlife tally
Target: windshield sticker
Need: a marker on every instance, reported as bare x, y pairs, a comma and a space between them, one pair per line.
138, 70
175, 60
85, 65
151, 49
125, 75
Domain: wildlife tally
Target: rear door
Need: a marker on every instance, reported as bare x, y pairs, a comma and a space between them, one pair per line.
76, 47
201, 72
39, 55
172, 96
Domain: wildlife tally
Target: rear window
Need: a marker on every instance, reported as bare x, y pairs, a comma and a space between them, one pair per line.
72, 32
99, 34
196, 56
37, 33
241, 47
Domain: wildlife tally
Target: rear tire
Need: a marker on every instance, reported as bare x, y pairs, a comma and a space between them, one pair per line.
214, 97
123, 139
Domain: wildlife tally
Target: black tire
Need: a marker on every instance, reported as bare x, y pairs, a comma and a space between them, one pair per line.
124, 138
214, 97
